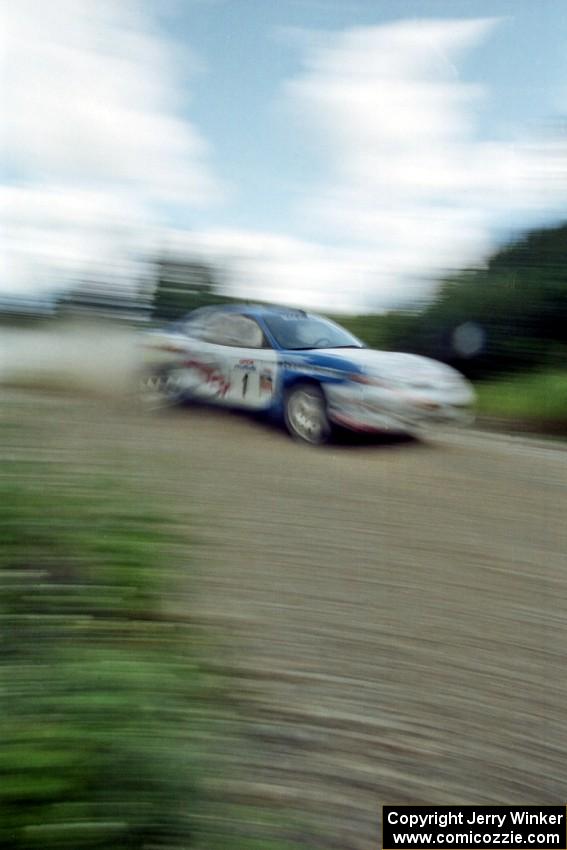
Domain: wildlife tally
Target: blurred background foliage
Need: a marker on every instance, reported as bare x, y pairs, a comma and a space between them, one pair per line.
183, 285
513, 310
504, 326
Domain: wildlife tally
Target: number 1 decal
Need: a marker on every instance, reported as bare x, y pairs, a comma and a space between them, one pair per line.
244, 384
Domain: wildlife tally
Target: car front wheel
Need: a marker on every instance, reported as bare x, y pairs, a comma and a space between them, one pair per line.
306, 414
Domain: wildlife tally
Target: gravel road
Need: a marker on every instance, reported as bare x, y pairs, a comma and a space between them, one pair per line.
393, 618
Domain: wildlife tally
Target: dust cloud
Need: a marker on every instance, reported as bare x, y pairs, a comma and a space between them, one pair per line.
90, 356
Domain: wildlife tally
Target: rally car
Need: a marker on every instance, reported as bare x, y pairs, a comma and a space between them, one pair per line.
302, 367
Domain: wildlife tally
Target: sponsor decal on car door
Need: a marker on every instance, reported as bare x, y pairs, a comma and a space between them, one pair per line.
252, 377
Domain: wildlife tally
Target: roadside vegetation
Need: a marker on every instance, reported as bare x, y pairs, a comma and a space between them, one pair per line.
504, 326
536, 399
109, 716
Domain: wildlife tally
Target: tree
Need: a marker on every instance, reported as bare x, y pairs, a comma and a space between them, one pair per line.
513, 312
519, 301
183, 285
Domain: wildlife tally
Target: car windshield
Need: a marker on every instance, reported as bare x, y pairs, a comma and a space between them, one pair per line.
302, 331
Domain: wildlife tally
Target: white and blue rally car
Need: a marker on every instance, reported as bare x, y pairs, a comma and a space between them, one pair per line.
301, 367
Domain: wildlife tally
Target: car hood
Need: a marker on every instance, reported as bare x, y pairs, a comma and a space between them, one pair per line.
393, 364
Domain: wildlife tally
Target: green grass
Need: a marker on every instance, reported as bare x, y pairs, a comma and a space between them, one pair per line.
101, 696
531, 397
108, 712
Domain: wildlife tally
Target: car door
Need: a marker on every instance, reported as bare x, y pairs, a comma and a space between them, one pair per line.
203, 374
246, 362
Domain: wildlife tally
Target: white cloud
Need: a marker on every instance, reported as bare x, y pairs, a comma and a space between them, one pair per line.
408, 181
409, 190
285, 269
95, 149
92, 140
264, 265
385, 109
54, 233
89, 95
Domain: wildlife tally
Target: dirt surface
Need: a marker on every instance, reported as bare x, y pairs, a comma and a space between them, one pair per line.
393, 618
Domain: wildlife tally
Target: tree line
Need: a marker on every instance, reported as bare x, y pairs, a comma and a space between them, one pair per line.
508, 316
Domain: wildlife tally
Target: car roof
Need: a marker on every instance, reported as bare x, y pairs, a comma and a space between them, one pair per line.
249, 310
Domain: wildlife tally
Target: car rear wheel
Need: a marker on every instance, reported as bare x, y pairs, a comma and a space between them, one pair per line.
306, 414
160, 388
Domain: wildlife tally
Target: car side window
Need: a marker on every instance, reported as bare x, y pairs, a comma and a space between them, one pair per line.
235, 330
203, 326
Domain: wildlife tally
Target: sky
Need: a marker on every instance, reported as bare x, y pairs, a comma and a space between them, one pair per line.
330, 154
